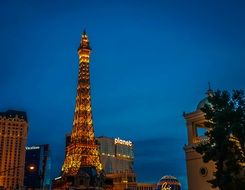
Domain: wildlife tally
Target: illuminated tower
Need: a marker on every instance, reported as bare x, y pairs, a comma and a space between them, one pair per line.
82, 150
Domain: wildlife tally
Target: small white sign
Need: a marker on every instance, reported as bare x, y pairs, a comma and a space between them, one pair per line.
32, 147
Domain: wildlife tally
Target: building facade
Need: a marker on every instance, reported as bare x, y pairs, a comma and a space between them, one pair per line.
38, 167
13, 135
117, 160
116, 155
198, 172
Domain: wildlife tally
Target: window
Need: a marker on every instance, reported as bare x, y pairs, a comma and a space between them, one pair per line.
203, 171
201, 131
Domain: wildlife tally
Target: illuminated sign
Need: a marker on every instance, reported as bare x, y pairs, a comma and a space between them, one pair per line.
165, 186
123, 142
32, 147
57, 178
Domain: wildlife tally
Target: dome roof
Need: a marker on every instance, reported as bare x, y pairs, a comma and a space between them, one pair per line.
168, 178
202, 103
167, 182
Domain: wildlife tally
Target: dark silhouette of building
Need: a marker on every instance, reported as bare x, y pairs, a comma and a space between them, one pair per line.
38, 167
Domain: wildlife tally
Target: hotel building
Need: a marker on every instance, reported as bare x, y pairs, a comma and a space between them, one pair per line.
13, 135
117, 158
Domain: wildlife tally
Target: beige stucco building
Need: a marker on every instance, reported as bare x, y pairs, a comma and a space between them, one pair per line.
198, 172
13, 135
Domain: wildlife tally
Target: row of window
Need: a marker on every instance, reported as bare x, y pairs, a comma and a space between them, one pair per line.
12, 134
11, 124
5, 120
12, 129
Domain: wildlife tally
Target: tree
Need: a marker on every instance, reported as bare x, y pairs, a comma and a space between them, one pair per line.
225, 122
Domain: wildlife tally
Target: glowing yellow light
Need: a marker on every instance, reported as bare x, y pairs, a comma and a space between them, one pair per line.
82, 120
165, 186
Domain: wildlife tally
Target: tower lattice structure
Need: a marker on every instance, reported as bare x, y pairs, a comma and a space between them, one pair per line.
82, 150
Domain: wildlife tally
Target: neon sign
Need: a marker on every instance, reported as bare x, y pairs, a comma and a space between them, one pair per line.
123, 142
165, 186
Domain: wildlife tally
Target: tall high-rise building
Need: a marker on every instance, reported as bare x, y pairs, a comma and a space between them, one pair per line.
198, 172
38, 167
82, 155
13, 135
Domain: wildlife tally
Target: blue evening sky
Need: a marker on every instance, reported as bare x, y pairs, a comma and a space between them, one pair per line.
151, 60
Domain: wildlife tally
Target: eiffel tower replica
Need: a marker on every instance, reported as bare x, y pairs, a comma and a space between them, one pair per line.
82, 167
